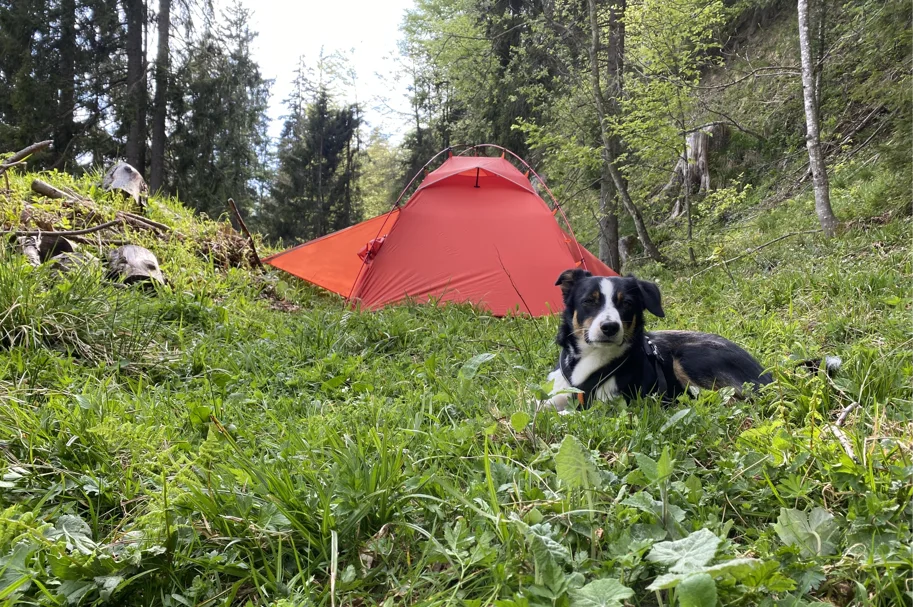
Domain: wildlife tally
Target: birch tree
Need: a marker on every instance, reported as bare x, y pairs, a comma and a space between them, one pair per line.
826, 216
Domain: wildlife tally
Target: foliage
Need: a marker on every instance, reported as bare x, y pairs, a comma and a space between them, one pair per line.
669, 45
314, 191
218, 148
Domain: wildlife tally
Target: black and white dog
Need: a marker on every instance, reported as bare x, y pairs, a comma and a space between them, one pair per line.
605, 351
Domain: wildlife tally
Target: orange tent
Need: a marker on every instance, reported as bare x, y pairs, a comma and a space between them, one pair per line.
474, 231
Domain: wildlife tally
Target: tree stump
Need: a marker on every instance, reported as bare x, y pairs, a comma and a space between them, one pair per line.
124, 177
626, 247
693, 166
131, 263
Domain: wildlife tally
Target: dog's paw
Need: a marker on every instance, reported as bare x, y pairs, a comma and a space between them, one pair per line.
556, 402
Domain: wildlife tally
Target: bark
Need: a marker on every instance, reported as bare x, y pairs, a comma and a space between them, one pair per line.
608, 243
136, 85
160, 101
639, 225
826, 216
609, 154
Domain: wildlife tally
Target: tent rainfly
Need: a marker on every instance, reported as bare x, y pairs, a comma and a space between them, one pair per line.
474, 231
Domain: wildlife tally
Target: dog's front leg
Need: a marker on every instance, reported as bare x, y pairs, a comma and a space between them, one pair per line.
558, 400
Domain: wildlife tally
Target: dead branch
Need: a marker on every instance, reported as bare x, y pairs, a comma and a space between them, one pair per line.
785, 71
846, 411
141, 223
48, 191
861, 125
732, 122
97, 228
250, 239
844, 441
23, 154
754, 250
865, 143
149, 222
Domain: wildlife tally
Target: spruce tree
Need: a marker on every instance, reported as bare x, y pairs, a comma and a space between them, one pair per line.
315, 187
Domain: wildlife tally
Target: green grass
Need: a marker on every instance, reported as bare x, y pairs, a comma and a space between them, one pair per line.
203, 446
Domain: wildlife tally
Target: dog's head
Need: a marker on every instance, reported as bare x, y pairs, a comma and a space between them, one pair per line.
604, 311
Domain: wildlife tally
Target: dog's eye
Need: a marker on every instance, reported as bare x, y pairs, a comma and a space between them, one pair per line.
593, 298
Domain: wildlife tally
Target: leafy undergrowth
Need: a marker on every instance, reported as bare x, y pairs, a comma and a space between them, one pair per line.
204, 445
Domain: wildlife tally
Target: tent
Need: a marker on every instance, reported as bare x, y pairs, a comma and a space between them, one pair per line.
473, 231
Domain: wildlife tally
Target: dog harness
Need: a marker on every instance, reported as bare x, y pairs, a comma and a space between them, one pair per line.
603, 374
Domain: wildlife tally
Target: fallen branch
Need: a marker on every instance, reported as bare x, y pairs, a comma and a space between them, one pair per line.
47, 190
23, 154
250, 239
754, 250
149, 222
844, 441
862, 124
846, 411
97, 228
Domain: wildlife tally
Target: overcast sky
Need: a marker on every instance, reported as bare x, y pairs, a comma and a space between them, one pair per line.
367, 30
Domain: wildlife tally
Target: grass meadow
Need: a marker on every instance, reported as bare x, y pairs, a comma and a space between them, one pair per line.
238, 438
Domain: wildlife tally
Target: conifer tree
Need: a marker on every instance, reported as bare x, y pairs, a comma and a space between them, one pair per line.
218, 146
315, 188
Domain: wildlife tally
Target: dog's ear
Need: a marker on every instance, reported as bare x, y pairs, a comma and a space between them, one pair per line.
567, 280
652, 300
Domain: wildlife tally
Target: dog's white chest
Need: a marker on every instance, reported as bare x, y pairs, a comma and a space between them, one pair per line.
607, 390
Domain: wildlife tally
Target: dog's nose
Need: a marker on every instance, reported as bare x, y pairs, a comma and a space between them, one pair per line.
609, 328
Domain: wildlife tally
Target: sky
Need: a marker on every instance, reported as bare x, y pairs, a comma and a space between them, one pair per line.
366, 30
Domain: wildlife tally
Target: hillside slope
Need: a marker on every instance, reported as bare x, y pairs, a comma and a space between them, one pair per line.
239, 439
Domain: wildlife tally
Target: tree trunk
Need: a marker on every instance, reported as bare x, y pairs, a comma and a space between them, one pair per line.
687, 190
609, 244
609, 154
66, 105
608, 221
639, 225
160, 101
812, 138
136, 85
692, 168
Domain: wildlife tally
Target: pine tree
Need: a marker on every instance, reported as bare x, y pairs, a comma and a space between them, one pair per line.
28, 88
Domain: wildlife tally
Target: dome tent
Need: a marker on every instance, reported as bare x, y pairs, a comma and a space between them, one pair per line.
474, 230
